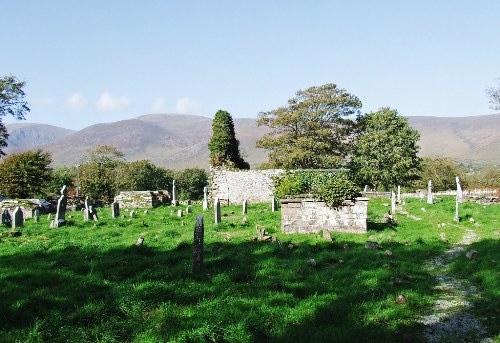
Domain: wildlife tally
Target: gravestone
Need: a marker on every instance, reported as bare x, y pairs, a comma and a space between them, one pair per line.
132, 213
399, 194
115, 210
217, 216
36, 215
86, 211
174, 200
245, 205
366, 189
205, 201
189, 209
393, 205
60, 219
180, 213
93, 213
458, 199
6, 218
17, 218
429, 193
274, 205
198, 244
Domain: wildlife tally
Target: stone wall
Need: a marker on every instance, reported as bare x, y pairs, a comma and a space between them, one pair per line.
233, 187
27, 206
306, 215
142, 199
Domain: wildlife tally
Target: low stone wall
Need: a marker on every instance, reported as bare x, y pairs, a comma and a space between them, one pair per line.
142, 199
27, 206
306, 215
233, 187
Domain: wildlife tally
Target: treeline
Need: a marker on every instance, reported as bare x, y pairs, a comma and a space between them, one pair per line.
101, 175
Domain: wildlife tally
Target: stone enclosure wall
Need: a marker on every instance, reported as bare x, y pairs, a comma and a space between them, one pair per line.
142, 199
233, 187
306, 215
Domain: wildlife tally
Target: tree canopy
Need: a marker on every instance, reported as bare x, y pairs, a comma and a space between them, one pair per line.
314, 130
442, 171
25, 174
141, 176
386, 150
11, 103
223, 145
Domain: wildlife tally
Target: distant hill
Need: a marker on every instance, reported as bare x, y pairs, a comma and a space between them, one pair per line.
180, 141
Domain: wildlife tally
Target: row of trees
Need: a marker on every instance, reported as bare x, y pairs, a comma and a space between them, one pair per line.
101, 175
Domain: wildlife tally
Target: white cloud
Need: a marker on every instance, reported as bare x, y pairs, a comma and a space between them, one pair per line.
187, 106
43, 100
76, 101
158, 106
107, 102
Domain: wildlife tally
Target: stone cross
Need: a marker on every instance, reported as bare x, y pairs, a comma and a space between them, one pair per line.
429, 193
205, 201
244, 207
217, 216
60, 219
17, 218
6, 219
174, 200
199, 232
115, 210
274, 205
393, 205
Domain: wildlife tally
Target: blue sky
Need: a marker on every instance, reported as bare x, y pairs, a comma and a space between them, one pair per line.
88, 62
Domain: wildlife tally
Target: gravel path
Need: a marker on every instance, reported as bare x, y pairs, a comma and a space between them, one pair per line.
450, 320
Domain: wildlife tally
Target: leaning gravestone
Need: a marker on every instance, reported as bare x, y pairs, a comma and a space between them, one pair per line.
60, 219
6, 219
115, 210
17, 218
429, 193
205, 201
198, 244
217, 216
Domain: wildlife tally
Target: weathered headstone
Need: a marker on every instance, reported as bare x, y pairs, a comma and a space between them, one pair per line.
60, 219
115, 210
17, 218
199, 232
86, 211
6, 218
93, 213
458, 199
393, 205
429, 193
244, 207
174, 199
274, 205
217, 216
366, 189
205, 200
132, 213
189, 209
180, 213
36, 215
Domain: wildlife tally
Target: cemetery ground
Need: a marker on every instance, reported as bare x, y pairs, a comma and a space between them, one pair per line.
89, 282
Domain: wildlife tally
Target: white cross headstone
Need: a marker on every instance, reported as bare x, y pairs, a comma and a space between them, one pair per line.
429, 193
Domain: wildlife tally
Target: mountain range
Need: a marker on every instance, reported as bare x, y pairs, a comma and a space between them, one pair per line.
180, 141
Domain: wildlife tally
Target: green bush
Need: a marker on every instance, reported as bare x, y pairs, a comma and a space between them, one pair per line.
333, 187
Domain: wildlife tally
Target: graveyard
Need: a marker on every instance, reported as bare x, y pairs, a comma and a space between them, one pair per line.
419, 277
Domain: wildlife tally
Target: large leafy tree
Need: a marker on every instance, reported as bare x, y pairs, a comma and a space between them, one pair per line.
190, 182
442, 171
141, 176
98, 172
25, 174
386, 150
11, 103
223, 145
314, 130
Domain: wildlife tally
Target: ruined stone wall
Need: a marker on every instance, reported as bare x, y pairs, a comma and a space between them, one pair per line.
142, 199
234, 187
311, 216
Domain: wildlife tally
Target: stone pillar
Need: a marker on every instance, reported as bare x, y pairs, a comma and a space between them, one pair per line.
60, 219
458, 199
393, 205
274, 205
199, 232
429, 193
115, 210
174, 196
205, 201
244, 207
217, 216
17, 218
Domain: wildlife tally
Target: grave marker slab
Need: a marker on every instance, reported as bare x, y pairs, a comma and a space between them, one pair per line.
199, 232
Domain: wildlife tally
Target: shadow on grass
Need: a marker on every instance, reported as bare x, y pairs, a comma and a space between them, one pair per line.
248, 291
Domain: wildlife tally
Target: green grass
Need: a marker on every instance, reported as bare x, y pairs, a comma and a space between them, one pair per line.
88, 282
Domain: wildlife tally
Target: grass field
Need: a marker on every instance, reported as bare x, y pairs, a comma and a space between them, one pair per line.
88, 282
